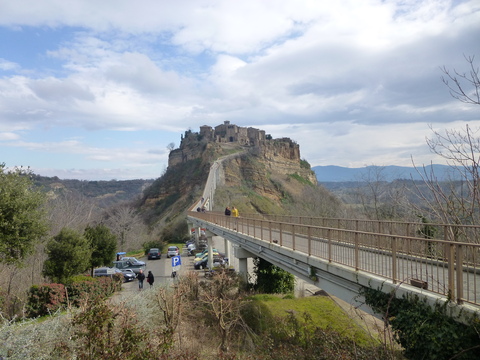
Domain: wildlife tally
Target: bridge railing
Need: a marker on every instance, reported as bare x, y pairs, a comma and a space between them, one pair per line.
449, 268
454, 232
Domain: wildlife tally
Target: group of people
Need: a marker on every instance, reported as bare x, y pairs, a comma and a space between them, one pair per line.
141, 277
232, 212
203, 208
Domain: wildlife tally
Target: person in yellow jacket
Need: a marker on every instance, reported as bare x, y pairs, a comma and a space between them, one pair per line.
234, 211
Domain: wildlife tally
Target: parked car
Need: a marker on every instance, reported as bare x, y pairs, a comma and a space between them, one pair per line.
106, 271
203, 263
202, 245
173, 251
133, 260
154, 253
205, 251
129, 274
190, 249
128, 263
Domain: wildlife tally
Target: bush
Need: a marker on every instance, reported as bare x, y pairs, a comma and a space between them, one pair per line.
110, 285
271, 279
442, 336
48, 298
104, 333
304, 164
81, 286
45, 299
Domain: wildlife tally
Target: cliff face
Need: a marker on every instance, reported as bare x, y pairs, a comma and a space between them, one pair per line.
283, 156
270, 174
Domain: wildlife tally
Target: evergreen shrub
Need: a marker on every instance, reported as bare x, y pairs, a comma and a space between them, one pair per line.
45, 299
426, 332
81, 286
48, 298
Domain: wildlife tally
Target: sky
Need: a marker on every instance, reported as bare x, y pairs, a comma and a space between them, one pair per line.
98, 90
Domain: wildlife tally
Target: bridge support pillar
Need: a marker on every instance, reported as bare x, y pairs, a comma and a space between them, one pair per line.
210, 251
197, 237
242, 255
189, 229
243, 269
226, 246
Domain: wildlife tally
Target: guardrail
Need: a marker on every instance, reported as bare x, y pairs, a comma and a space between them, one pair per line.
446, 267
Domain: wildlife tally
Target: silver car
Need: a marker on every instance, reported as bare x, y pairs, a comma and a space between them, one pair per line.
173, 251
128, 274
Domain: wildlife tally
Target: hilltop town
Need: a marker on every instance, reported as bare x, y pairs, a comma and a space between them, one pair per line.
193, 144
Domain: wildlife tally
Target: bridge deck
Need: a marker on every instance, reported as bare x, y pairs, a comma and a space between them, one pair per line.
400, 258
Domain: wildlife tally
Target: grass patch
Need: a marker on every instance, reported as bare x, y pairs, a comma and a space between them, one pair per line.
177, 244
322, 312
136, 253
301, 179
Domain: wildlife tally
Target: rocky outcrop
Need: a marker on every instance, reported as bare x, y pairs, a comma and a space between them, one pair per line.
282, 154
251, 160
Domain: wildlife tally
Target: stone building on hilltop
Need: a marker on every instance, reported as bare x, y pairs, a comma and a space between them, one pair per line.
227, 132
258, 143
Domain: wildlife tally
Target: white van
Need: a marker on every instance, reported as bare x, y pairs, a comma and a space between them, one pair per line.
104, 271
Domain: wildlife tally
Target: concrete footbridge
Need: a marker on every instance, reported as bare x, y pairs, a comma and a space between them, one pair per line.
341, 256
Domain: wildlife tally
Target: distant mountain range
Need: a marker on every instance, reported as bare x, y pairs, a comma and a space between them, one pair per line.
332, 173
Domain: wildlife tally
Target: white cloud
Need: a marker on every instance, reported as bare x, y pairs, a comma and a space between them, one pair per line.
7, 136
336, 71
7, 65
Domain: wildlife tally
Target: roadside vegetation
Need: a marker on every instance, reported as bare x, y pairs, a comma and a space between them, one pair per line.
195, 319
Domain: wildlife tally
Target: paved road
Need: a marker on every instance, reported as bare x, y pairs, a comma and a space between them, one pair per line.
162, 271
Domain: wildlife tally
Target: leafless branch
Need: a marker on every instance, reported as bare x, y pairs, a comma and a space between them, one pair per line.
464, 87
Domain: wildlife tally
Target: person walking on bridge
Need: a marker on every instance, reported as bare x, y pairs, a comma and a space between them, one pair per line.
228, 212
235, 212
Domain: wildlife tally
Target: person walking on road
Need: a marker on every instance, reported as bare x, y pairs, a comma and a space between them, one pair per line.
140, 277
150, 278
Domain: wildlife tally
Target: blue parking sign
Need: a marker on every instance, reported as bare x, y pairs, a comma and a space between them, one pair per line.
176, 260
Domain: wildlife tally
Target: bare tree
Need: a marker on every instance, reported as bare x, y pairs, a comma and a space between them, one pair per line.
464, 86
128, 226
372, 193
457, 200
172, 305
222, 302
171, 146
72, 210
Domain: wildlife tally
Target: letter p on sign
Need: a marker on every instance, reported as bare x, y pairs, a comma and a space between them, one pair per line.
176, 260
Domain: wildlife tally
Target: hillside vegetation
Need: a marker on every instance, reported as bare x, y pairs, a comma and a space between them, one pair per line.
187, 322
103, 193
